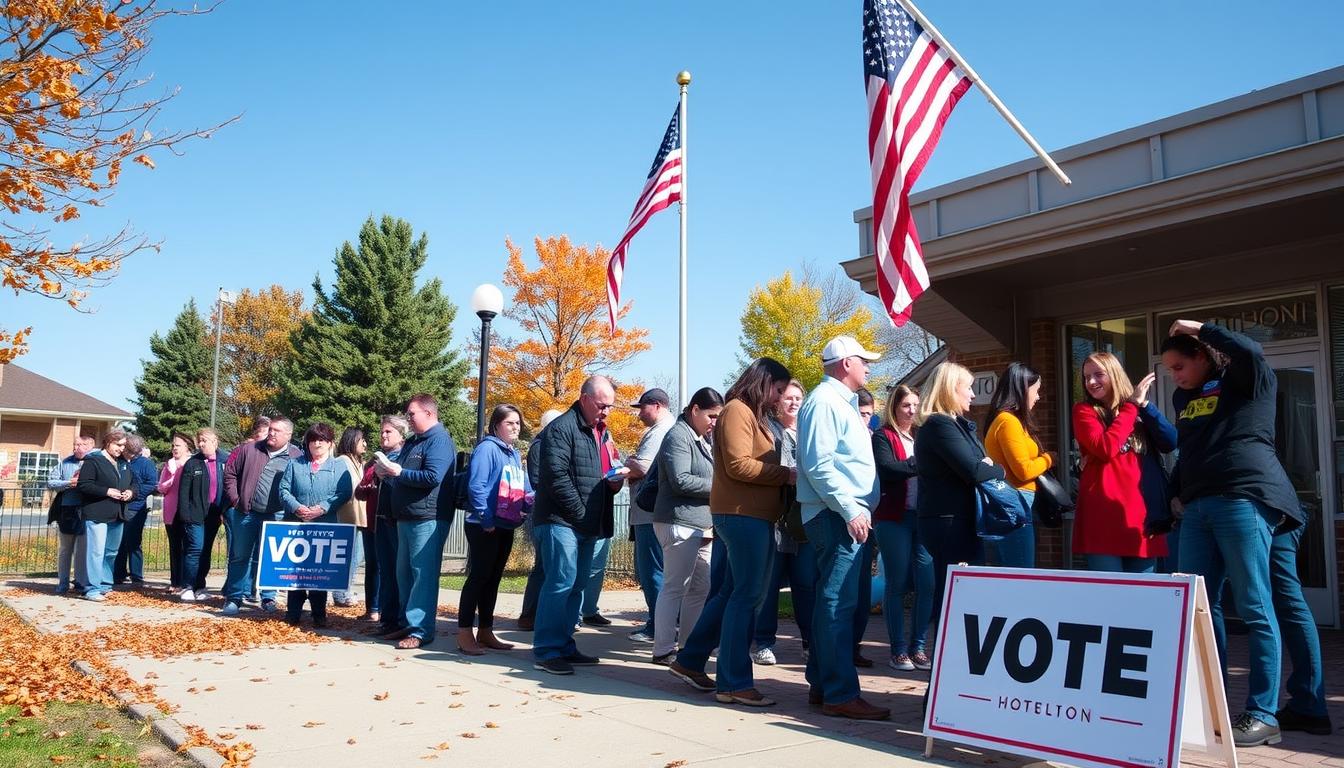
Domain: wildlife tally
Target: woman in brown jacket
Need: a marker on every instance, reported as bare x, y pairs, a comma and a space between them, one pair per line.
746, 499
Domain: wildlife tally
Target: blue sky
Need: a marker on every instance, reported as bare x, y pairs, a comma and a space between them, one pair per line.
477, 121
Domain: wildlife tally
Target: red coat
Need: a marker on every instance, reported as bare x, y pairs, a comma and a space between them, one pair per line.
1110, 514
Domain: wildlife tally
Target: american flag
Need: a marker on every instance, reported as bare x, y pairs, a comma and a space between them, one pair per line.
662, 189
912, 87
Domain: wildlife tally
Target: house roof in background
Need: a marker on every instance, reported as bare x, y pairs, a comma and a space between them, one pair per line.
21, 389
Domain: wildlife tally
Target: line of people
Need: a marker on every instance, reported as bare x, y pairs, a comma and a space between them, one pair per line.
742, 492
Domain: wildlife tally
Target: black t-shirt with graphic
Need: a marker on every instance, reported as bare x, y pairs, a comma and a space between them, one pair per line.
1226, 431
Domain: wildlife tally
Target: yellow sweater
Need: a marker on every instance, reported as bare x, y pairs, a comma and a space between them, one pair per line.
1009, 445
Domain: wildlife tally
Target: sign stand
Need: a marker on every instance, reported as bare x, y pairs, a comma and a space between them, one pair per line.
1206, 725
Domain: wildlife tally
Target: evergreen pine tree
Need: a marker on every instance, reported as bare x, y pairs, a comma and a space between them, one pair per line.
173, 393
376, 339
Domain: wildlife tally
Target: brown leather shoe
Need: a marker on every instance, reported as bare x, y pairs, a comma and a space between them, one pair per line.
814, 697
856, 709
697, 680
862, 661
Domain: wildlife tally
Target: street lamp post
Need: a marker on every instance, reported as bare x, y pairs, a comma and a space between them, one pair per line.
224, 297
487, 302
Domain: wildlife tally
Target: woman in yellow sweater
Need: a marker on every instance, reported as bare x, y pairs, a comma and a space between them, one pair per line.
1011, 441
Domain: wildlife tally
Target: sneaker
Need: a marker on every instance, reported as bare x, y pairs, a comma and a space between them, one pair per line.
554, 666
187, 596
231, 608
921, 660
665, 660
697, 680
763, 656
250, 599
582, 659
1296, 721
96, 597
597, 620
640, 636
269, 606
202, 595
901, 663
1250, 731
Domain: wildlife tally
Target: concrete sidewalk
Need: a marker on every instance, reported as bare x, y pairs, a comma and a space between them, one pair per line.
349, 699
362, 702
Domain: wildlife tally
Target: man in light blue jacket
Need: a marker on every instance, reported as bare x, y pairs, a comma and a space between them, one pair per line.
837, 488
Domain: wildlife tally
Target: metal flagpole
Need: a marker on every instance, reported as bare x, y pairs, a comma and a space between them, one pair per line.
683, 79
989, 94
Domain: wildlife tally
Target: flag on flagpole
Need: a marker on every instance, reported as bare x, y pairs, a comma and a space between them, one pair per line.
662, 189
912, 86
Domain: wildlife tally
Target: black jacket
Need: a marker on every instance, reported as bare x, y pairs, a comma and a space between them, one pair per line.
948, 460
96, 476
572, 492
193, 495
1225, 432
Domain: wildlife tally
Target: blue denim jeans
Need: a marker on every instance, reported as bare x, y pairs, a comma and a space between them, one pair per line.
535, 578
1118, 564
718, 567
193, 538
1306, 683
1018, 549
419, 564
96, 539
908, 567
209, 530
863, 606
567, 559
389, 590
649, 569
830, 666
708, 629
343, 596
1225, 537
244, 554
115, 532
597, 573
130, 562
800, 568
750, 544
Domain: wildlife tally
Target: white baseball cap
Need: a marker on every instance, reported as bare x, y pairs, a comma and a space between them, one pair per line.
845, 346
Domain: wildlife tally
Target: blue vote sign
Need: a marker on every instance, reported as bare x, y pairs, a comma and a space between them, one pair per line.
306, 556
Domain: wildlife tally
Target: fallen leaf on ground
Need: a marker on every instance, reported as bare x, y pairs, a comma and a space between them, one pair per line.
675, 764
349, 741
380, 696
492, 725
468, 735
456, 705
313, 724
442, 745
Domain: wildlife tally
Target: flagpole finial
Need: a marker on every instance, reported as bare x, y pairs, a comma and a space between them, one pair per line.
683, 78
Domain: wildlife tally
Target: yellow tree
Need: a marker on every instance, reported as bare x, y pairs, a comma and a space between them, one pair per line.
71, 113
255, 340
562, 309
792, 320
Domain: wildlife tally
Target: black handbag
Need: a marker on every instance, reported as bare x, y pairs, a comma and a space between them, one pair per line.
1051, 501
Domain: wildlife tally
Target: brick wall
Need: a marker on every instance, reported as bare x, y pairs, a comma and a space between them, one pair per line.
1044, 346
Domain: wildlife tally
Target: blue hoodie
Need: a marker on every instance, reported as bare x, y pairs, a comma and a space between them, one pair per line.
496, 467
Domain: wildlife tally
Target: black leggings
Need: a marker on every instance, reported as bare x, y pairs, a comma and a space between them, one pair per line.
487, 555
316, 597
949, 540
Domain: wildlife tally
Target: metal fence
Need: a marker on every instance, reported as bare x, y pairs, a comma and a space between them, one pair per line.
28, 545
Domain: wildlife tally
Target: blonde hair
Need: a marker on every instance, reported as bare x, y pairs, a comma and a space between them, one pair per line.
204, 431
1122, 390
941, 391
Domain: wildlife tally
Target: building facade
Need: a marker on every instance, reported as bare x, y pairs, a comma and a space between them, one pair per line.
1233, 212
39, 419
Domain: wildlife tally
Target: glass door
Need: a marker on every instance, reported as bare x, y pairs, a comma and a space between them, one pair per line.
1298, 437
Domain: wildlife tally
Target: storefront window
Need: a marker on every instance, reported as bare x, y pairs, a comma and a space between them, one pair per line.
1335, 330
1126, 338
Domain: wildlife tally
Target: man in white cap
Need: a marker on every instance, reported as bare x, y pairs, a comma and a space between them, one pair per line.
837, 488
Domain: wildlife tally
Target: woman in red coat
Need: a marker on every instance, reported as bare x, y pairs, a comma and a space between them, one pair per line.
1120, 434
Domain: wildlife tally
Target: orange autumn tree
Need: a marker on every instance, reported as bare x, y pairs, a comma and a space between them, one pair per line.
562, 308
255, 339
72, 112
